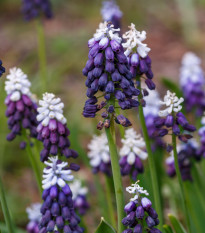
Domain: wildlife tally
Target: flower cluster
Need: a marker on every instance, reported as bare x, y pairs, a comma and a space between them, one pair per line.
172, 118
202, 137
151, 110
2, 69
57, 210
99, 154
33, 9
141, 216
132, 152
137, 53
192, 83
21, 109
52, 129
187, 155
111, 13
107, 70
34, 216
79, 197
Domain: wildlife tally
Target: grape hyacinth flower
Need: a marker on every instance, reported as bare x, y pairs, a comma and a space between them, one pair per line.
58, 214
34, 215
34, 8
201, 133
137, 54
2, 69
132, 152
173, 119
21, 109
141, 217
111, 13
99, 154
52, 129
79, 197
151, 110
107, 71
192, 82
187, 155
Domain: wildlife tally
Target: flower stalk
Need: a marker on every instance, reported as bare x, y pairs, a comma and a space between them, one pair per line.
42, 54
33, 161
155, 184
182, 193
116, 175
5, 209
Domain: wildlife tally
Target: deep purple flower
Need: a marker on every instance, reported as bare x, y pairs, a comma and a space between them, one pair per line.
52, 129
2, 69
21, 109
139, 210
34, 216
35, 8
188, 154
192, 83
107, 71
131, 162
58, 207
111, 13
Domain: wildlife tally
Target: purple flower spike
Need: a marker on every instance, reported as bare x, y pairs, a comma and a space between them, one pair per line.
57, 210
21, 109
2, 69
109, 61
139, 211
33, 9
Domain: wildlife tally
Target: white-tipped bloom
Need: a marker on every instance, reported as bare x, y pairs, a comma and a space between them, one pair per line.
191, 71
133, 144
152, 103
17, 84
50, 108
172, 102
134, 40
77, 189
136, 189
56, 173
109, 10
107, 30
98, 150
34, 213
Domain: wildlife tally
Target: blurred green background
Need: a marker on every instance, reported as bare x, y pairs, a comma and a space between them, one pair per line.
173, 27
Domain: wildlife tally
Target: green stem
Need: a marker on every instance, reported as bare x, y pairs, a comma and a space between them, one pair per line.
5, 209
116, 175
180, 182
153, 173
42, 55
108, 186
33, 161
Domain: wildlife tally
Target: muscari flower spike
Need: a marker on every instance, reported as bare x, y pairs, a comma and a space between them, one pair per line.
79, 197
137, 54
111, 12
2, 69
132, 152
141, 217
57, 210
52, 129
34, 216
171, 118
192, 82
188, 154
34, 8
99, 154
107, 71
201, 133
151, 110
21, 109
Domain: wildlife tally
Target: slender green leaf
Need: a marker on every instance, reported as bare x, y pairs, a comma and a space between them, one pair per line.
167, 229
176, 224
104, 227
